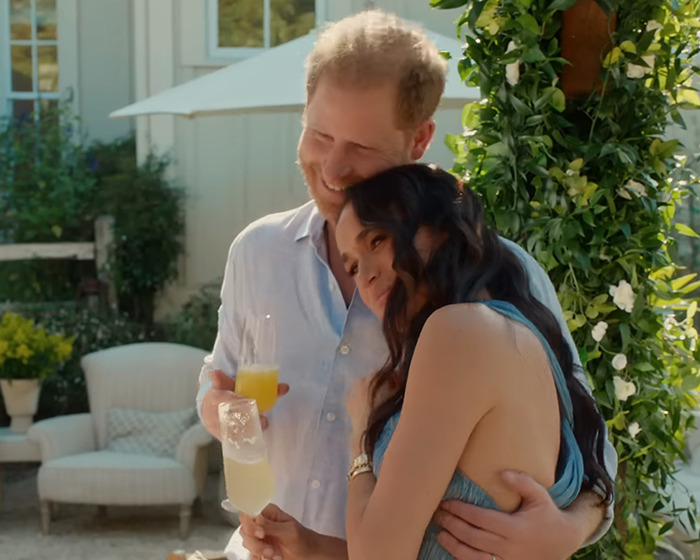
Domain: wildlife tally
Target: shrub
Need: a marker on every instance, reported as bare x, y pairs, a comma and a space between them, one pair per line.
196, 324
589, 186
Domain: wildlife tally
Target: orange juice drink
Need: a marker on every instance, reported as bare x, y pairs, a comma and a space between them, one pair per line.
259, 382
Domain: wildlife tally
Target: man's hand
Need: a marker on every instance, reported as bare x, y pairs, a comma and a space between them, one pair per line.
276, 535
537, 531
223, 390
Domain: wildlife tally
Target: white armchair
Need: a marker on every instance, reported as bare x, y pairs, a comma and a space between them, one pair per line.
83, 459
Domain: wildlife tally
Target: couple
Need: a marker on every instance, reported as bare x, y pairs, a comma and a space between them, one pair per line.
373, 85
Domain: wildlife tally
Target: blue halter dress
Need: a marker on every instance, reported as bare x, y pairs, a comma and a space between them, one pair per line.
569, 470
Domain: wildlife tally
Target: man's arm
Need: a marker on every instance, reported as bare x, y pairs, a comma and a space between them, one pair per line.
543, 289
470, 531
214, 388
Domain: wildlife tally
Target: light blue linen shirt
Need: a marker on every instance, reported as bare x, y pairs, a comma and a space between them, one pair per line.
278, 265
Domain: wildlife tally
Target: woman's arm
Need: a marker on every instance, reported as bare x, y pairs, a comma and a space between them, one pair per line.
453, 383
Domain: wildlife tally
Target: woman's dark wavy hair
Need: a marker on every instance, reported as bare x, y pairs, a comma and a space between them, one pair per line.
471, 258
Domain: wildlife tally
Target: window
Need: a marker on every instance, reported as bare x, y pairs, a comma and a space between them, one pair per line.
239, 28
33, 55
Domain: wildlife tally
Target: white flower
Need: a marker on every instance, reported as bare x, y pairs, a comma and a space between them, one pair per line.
599, 330
623, 295
622, 193
634, 429
512, 69
639, 71
619, 362
636, 187
670, 322
623, 389
635, 71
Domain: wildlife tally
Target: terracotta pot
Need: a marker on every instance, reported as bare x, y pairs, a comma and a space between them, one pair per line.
21, 398
586, 37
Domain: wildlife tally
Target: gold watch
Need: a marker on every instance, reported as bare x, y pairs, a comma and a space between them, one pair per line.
361, 464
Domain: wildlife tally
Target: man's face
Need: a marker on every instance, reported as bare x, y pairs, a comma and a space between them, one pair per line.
351, 134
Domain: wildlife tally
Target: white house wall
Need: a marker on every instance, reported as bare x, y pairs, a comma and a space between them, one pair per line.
105, 72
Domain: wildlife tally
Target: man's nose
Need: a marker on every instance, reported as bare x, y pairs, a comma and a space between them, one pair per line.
337, 167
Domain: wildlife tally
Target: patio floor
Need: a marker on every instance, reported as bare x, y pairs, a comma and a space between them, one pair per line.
77, 533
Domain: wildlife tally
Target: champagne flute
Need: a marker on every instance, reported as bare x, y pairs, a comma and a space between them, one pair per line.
247, 472
258, 369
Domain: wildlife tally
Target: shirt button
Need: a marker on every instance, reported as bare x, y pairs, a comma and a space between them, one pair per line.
330, 416
344, 349
315, 484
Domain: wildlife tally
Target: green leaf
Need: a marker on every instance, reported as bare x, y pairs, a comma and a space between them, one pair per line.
533, 54
685, 230
558, 100
561, 5
471, 115
527, 21
487, 17
690, 383
678, 283
447, 4
628, 46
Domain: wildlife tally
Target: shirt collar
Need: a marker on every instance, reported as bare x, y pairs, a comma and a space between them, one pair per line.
312, 226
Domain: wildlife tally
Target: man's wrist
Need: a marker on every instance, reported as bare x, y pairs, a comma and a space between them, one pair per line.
585, 516
324, 547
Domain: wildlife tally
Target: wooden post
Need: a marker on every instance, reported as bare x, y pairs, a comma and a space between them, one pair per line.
104, 241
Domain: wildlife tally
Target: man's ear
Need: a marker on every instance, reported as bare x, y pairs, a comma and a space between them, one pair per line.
422, 138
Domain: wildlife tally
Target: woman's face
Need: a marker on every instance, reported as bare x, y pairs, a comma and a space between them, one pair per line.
368, 256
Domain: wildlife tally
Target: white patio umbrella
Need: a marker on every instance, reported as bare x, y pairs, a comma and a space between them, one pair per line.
272, 80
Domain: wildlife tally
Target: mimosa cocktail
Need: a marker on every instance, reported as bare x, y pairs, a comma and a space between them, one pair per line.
259, 382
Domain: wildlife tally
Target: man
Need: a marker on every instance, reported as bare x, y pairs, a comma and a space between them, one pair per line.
373, 85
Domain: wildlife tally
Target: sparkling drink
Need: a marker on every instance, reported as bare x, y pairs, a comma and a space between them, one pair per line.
249, 486
259, 382
247, 472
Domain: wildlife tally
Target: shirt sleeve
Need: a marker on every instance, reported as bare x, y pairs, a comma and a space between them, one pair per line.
543, 289
223, 355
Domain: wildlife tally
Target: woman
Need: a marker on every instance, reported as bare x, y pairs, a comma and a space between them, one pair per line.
479, 377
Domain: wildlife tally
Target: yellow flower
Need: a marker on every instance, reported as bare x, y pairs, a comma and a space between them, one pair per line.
23, 352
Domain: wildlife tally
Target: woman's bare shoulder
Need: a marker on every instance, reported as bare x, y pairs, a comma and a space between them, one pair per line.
476, 334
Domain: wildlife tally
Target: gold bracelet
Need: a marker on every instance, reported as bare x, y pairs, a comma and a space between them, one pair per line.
361, 464
359, 470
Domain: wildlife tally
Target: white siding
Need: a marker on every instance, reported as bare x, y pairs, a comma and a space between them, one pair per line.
104, 69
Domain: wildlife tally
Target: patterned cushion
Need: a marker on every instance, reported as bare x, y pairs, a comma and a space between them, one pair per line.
147, 433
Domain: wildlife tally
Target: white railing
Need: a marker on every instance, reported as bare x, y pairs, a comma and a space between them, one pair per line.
97, 251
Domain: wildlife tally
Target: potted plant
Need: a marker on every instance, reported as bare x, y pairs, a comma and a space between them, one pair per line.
28, 354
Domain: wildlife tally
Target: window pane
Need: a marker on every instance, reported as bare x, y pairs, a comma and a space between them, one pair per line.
22, 68
22, 108
46, 19
290, 19
241, 23
20, 19
48, 68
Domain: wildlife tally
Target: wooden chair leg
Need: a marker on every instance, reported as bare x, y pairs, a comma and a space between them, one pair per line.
185, 514
45, 516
